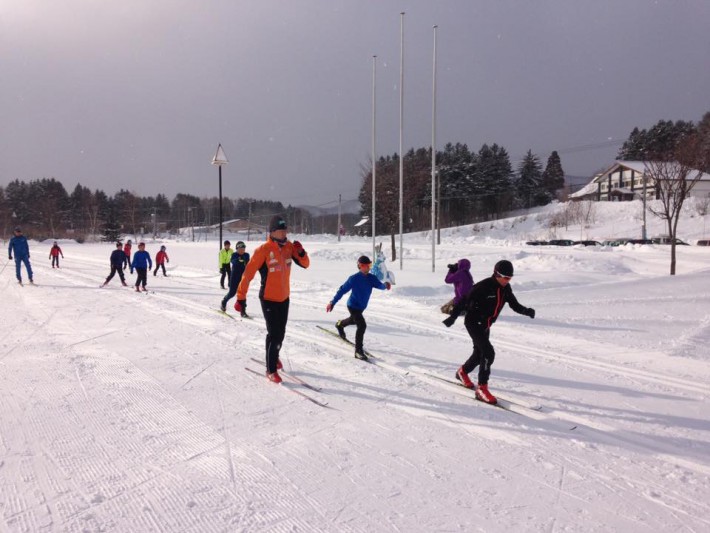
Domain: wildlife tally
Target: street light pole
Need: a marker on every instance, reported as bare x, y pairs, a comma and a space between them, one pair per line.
433, 161
401, 147
220, 159
374, 159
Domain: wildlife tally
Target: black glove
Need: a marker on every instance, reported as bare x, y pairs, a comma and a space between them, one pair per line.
10, 257
448, 322
452, 267
530, 312
298, 248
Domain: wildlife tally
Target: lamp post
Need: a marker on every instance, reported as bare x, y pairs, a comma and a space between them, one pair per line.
401, 146
433, 159
220, 159
374, 159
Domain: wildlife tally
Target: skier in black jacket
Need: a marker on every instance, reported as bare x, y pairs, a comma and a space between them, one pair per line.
483, 304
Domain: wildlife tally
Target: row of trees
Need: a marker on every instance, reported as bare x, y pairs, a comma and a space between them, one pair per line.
472, 186
44, 209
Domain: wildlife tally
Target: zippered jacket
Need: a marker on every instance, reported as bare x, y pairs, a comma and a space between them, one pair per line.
461, 279
18, 247
118, 258
361, 286
239, 264
141, 260
485, 301
161, 257
55, 251
273, 262
224, 256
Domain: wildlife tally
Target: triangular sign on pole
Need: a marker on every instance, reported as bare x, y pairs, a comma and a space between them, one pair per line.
219, 158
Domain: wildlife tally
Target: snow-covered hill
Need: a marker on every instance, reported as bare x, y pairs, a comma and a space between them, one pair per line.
134, 412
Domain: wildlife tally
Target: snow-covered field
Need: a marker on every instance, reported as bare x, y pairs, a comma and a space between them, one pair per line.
131, 412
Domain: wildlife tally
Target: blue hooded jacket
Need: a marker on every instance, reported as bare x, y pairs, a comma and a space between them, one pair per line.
361, 287
141, 259
19, 247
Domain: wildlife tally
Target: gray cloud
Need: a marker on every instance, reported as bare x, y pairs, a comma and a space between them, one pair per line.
137, 94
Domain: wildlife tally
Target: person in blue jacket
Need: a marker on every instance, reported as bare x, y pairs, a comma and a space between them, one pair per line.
361, 285
141, 264
117, 260
21, 249
238, 262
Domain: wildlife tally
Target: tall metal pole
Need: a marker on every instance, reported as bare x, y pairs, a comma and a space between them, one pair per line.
401, 152
340, 199
374, 158
433, 161
220, 207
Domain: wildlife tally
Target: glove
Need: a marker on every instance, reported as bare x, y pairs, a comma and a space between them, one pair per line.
131, 271
240, 305
388, 285
329, 307
530, 312
452, 267
298, 248
10, 257
449, 321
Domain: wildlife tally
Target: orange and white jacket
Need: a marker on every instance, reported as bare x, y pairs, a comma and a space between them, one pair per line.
274, 265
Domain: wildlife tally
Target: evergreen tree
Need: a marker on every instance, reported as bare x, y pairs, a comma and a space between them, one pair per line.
529, 189
553, 178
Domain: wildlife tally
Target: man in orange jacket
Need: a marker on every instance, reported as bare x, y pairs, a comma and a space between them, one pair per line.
273, 261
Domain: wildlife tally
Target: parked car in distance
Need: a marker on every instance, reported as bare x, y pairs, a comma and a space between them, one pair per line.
560, 242
536, 243
667, 240
639, 241
704, 242
588, 243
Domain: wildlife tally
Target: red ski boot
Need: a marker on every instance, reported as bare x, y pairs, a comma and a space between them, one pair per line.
485, 396
274, 377
464, 379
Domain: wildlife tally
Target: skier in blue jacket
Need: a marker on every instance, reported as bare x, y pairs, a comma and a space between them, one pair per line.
361, 285
141, 264
19, 246
238, 261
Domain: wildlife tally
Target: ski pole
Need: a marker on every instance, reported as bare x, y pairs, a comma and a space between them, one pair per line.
3, 267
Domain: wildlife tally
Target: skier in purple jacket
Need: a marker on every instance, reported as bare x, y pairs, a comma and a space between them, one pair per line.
460, 276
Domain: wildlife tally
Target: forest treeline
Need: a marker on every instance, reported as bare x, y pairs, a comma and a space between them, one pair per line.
44, 209
473, 186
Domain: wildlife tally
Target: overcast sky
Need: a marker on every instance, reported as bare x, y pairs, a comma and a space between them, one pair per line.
136, 94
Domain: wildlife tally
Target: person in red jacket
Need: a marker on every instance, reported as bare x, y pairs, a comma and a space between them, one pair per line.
54, 254
127, 251
160, 259
273, 261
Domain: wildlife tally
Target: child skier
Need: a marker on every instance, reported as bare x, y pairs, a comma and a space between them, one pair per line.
225, 255
238, 262
118, 259
54, 255
460, 276
141, 264
361, 285
160, 259
127, 250
483, 305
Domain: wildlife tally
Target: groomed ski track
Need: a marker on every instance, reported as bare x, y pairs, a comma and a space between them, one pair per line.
190, 448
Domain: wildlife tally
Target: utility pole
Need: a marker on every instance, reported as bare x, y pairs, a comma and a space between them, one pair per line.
340, 199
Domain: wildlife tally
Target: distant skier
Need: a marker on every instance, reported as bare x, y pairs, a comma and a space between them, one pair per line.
117, 260
460, 276
20, 247
141, 264
225, 255
160, 259
238, 262
361, 285
483, 304
379, 269
127, 251
54, 254
273, 261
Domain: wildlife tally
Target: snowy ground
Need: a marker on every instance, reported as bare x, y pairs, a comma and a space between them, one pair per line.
133, 412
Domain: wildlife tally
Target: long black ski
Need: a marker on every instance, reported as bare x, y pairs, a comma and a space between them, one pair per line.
291, 389
347, 341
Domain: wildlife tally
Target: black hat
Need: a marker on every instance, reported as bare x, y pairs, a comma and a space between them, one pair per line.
277, 223
240, 244
226, 243
503, 268
18, 229
364, 260
118, 245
